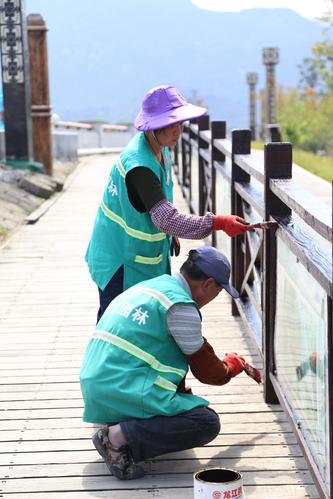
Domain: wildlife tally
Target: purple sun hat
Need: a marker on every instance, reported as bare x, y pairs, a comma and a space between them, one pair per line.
164, 106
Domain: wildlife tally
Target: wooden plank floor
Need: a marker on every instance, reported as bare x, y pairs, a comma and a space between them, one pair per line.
47, 308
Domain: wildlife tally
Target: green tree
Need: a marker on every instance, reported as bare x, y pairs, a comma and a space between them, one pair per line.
317, 70
306, 114
306, 119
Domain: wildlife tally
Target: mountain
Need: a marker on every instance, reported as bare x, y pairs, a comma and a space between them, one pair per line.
105, 54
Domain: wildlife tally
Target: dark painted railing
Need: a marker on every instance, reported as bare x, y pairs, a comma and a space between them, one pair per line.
284, 275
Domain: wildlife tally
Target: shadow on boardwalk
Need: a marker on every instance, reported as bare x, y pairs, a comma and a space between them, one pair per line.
48, 306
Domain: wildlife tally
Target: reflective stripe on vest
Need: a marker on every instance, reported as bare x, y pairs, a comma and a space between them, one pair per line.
165, 383
137, 352
145, 236
148, 260
163, 299
120, 168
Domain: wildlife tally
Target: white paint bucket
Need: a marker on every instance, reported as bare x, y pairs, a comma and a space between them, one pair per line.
218, 483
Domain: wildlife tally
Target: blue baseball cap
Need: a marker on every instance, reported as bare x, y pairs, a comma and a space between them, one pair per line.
215, 264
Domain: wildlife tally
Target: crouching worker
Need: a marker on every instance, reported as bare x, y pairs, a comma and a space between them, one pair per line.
133, 372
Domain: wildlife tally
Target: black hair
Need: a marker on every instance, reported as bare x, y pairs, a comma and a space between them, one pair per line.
190, 268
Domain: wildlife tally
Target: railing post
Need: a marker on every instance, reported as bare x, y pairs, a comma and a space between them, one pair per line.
176, 160
218, 131
273, 133
184, 153
330, 377
192, 136
240, 144
203, 124
99, 130
40, 98
277, 164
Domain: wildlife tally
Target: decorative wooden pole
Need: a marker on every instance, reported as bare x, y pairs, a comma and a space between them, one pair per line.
40, 96
15, 80
252, 80
270, 59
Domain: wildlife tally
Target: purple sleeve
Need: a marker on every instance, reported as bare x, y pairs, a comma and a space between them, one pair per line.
167, 219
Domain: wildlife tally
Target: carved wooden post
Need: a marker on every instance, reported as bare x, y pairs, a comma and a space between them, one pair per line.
270, 59
203, 124
241, 144
15, 80
278, 164
40, 98
218, 131
252, 80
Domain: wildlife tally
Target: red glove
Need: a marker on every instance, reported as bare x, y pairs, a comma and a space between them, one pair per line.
231, 224
235, 362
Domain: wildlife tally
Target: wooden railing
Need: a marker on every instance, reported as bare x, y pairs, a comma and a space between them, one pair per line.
95, 135
284, 275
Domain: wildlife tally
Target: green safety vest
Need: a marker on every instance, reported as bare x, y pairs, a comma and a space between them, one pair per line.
132, 366
124, 236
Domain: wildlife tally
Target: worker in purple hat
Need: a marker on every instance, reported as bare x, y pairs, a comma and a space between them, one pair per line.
137, 225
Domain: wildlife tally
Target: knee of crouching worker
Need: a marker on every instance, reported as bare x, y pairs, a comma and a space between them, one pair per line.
213, 424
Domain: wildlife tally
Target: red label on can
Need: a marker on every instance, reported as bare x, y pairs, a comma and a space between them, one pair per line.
217, 494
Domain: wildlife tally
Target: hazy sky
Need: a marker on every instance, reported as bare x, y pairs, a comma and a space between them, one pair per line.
306, 8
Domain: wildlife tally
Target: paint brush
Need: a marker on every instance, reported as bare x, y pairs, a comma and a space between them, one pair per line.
264, 225
253, 372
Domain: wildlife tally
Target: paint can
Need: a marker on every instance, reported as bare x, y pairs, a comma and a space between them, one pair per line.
218, 483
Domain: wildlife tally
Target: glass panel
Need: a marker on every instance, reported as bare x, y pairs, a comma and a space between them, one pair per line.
223, 241
301, 352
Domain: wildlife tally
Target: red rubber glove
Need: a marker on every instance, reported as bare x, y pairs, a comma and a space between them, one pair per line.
235, 362
231, 224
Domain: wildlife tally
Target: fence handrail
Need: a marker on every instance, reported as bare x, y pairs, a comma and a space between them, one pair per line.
72, 124
115, 128
311, 209
308, 207
78, 125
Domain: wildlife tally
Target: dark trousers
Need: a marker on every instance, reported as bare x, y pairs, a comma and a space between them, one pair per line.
114, 287
159, 435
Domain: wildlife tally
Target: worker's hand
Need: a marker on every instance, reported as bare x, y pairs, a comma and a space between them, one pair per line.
231, 224
235, 362
175, 246
316, 365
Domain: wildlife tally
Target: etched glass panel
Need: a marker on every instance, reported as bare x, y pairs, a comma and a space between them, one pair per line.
301, 352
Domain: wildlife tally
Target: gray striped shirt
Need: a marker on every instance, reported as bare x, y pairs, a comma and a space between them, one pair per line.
184, 322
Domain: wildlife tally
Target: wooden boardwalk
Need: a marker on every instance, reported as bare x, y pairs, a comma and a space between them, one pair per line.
47, 309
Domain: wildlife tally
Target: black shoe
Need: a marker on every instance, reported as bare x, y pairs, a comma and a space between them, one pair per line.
120, 461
